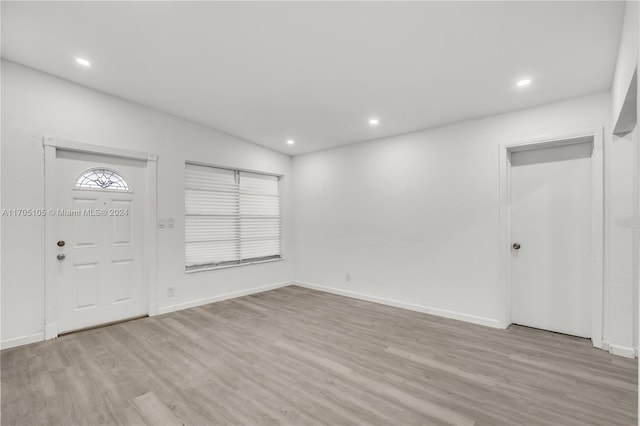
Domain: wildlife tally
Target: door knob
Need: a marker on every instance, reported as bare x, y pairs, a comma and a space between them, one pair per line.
516, 246
60, 243
61, 256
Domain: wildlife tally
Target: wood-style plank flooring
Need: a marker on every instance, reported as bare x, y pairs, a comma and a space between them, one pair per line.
294, 356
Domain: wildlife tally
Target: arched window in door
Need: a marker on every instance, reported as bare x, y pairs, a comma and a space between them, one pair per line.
102, 178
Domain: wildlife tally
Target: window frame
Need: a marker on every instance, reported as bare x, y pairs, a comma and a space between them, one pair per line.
237, 263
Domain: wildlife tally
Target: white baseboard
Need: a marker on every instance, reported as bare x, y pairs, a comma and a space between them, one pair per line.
625, 351
488, 322
199, 302
22, 340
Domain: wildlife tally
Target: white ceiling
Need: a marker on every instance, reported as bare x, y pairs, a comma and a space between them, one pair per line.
316, 72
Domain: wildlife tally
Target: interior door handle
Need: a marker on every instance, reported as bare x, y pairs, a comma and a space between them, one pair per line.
516, 246
61, 256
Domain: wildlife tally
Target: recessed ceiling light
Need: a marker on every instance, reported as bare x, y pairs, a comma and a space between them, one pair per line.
83, 62
290, 141
523, 82
374, 121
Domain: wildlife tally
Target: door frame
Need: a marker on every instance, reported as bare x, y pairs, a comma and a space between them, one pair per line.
149, 261
596, 136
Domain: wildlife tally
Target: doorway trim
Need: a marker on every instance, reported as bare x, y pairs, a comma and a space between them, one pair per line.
149, 265
596, 136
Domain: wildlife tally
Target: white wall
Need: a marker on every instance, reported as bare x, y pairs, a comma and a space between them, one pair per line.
414, 218
35, 104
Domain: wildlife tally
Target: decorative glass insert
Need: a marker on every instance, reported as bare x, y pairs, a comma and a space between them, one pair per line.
100, 178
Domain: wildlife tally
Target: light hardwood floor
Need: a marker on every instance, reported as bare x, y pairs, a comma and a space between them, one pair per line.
294, 356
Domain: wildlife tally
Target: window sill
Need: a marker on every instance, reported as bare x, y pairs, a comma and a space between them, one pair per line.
214, 268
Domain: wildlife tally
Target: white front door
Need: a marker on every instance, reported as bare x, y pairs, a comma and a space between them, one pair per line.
99, 239
551, 223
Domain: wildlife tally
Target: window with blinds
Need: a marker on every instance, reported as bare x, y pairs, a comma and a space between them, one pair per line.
232, 217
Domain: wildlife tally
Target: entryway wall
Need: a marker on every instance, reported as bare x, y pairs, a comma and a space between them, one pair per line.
34, 105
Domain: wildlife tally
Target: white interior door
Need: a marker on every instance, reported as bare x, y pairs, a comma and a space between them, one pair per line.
99, 239
551, 222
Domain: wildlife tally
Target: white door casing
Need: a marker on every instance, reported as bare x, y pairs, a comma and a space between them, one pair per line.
505, 251
551, 225
108, 272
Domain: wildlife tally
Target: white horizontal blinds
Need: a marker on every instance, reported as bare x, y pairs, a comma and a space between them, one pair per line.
231, 217
260, 221
211, 217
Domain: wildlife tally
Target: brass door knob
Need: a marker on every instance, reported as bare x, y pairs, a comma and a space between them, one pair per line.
516, 246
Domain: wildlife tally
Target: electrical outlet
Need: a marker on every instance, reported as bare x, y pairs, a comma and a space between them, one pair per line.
348, 277
171, 291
